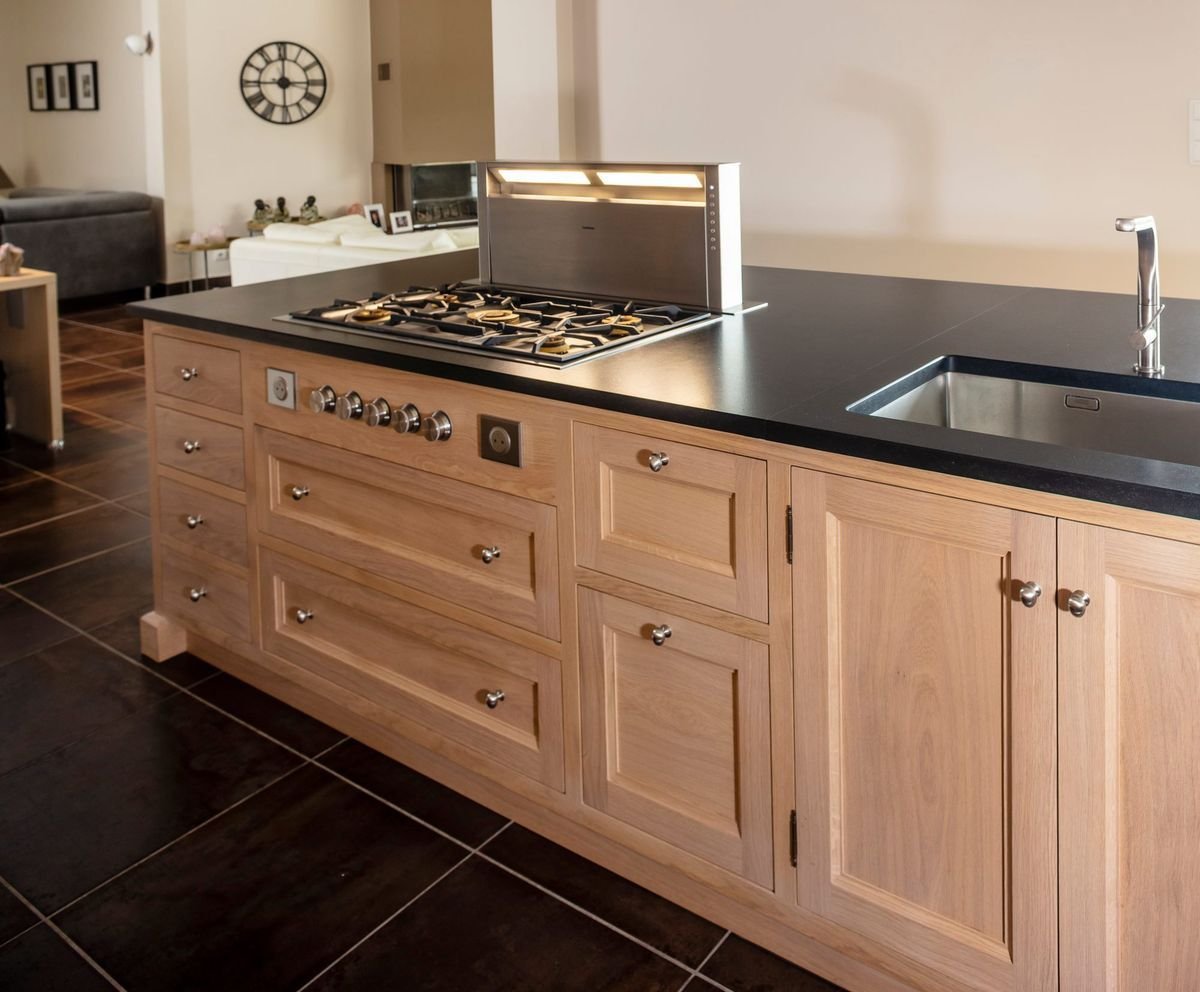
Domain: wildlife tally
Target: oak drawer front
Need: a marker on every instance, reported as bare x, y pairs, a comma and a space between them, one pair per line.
418, 529
696, 527
202, 595
425, 667
200, 446
202, 520
202, 373
676, 735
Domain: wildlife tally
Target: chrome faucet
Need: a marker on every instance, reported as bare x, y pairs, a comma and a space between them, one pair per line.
1147, 339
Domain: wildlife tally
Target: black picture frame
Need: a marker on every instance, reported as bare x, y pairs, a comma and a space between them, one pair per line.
62, 89
85, 85
34, 74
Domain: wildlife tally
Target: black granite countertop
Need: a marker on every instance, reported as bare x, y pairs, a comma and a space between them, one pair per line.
788, 372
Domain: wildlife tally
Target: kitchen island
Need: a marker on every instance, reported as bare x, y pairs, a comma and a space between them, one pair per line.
901, 703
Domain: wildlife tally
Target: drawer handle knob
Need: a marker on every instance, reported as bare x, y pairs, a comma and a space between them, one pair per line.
493, 698
489, 555
1030, 593
1078, 602
660, 634
197, 593
193, 520
187, 375
190, 447
659, 460
303, 615
298, 492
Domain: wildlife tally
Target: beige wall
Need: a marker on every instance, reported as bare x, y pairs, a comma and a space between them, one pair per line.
100, 150
933, 137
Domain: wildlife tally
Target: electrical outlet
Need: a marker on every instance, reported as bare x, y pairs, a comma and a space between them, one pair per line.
221, 255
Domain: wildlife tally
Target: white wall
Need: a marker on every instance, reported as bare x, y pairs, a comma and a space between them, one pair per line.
932, 137
533, 79
235, 156
99, 150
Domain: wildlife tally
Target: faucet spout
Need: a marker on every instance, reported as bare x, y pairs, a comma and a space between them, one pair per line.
1147, 336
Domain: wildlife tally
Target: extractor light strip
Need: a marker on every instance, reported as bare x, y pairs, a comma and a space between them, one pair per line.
566, 177
674, 180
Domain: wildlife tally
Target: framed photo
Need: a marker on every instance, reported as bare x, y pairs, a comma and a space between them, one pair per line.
85, 86
401, 221
62, 97
374, 213
39, 86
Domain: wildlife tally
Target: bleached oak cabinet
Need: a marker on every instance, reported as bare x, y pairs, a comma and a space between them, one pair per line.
911, 731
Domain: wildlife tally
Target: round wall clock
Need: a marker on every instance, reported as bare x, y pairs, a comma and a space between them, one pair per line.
283, 82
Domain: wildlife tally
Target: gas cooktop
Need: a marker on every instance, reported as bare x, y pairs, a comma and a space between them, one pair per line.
507, 323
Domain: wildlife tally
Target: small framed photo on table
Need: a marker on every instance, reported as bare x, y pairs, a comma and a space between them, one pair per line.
401, 221
374, 213
84, 86
62, 96
39, 86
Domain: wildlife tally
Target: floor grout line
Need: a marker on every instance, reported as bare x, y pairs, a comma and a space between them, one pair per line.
708, 957
54, 928
588, 913
8, 586
437, 881
67, 513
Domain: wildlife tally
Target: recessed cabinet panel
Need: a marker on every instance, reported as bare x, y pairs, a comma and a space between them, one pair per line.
677, 734
201, 373
481, 691
200, 446
690, 521
487, 551
1129, 671
925, 727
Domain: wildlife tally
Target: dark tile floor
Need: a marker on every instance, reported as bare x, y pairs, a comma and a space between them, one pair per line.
167, 827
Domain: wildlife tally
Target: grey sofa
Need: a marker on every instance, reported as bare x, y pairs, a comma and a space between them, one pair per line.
96, 242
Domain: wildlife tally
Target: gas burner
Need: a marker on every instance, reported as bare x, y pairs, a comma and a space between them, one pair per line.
622, 325
553, 344
496, 316
369, 315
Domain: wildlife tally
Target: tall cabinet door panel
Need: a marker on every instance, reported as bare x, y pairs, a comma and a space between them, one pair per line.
925, 695
676, 731
1129, 717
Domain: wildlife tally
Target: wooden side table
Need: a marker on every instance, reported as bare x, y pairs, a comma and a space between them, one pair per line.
29, 350
189, 249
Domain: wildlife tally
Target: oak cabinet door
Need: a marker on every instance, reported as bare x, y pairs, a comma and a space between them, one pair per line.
925, 709
676, 734
1129, 732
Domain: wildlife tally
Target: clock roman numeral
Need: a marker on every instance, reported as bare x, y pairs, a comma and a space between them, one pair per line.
301, 112
251, 81
281, 51
286, 114
309, 98
256, 100
310, 65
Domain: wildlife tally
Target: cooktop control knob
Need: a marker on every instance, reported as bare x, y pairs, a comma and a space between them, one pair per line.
322, 400
408, 419
349, 407
378, 413
437, 426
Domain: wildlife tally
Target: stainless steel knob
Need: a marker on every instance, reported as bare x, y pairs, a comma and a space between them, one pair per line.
303, 616
378, 413
298, 492
190, 446
489, 555
193, 520
493, 698
1078, 602
187, 375
322, 400
437, 426
659, 634
197, 593
659, 460
1030, 593
408, 419
349, 407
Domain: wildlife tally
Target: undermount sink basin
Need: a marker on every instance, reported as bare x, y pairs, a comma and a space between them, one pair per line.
1064, 407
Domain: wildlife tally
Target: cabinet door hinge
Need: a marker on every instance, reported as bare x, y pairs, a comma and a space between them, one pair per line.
793, 844
789, 534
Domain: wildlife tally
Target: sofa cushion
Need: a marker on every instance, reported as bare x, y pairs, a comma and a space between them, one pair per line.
325, 232
412, 241
71, 205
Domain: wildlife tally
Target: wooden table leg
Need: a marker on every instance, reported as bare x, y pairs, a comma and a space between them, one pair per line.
29, 350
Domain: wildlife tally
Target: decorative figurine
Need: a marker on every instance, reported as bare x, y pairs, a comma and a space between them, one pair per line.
11, 259
281, 210
309, 211
262, 213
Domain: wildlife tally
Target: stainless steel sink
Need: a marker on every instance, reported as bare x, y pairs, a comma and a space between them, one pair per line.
1055, 406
